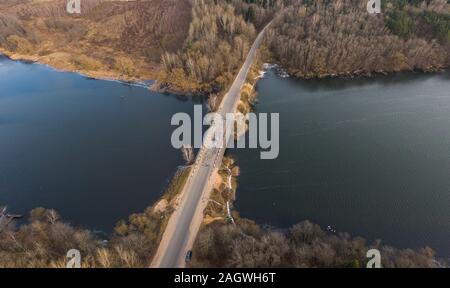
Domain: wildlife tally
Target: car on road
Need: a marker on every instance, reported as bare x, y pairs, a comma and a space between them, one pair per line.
188, 257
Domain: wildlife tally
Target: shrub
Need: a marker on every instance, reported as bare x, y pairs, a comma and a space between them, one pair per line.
86, 63
125, 66
19, 44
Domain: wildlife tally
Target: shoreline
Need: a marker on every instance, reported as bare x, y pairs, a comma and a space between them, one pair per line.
152, 84
103, 75
153, 206
216, 217
280, 72
97, 75
284, 72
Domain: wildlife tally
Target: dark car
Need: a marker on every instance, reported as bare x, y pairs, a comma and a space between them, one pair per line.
188, 256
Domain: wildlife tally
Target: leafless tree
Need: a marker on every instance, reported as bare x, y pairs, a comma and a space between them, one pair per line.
188, 154
52, 216
212, 103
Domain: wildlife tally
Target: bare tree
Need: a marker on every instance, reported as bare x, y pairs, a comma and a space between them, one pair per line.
188, 154
212, 103
52, 216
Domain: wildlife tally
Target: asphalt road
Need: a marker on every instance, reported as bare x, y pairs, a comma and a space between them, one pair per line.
185, 221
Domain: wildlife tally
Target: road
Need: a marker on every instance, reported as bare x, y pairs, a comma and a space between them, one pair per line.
185, 221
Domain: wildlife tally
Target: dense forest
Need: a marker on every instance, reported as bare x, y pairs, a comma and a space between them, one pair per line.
304, 245
45, 240
197, 46
330, 38
217, 43
220, 36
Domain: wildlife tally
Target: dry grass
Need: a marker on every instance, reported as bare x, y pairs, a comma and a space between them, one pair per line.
110, 39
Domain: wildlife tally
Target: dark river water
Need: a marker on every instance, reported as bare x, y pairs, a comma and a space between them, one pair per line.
370, 156
96, 151
367, 156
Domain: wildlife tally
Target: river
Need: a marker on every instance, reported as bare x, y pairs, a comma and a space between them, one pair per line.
94, 150
366, 156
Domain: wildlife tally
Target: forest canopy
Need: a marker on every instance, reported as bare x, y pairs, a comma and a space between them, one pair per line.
331, 38
45, 239
304, 245
198, 46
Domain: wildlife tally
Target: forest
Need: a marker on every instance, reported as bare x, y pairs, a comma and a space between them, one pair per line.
197, 46
45, 238
220, 36
304, 245
339, 38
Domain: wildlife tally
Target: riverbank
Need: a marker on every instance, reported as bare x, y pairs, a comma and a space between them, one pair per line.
61, 62
351, 148
98, 136
225, 237
64, 62
223, 242
158, 214
143, 73
356, 74
132, 244
133, 249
